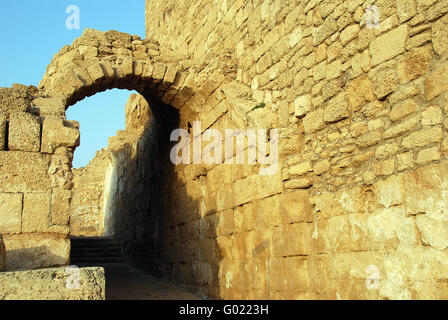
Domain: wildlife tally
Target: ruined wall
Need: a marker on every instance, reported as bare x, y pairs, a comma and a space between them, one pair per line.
87, 207
35, 179
362, 117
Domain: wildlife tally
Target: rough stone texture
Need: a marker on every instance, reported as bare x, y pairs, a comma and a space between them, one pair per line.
92, 202
87, 205
440, 35
2, 254
36, 212
436, 82
11, 213
54, 284
15, 99
389, 45
59, 133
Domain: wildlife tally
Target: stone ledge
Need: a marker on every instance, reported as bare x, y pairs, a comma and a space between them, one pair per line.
53, 284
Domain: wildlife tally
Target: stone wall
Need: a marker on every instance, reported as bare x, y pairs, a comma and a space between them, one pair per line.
87, 207
2, 254
357, 207
362, 119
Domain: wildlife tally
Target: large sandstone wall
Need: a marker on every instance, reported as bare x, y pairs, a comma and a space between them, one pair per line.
363, 150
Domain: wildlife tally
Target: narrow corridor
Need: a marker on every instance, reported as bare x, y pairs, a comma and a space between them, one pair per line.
123, 281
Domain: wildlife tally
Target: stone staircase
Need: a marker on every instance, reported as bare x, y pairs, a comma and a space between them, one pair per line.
95, 251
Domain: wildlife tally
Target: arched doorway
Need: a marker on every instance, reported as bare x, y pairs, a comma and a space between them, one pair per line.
162, 218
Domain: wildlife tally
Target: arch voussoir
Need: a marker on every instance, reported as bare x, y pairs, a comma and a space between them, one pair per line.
98, 61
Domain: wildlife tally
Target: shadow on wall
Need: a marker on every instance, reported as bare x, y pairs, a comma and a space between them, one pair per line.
150, 209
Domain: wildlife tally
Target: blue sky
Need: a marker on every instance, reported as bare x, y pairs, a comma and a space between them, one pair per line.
32, 32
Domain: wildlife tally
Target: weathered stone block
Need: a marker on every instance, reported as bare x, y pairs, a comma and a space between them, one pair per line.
321, 167
384, 81
425, 191
403, 109
333, 70
359, 92
296, 275
436, 82
2, 254
337, 109
325, 30
226, 223
414, 64
384, 168
401, 127
14, 100
59, 133
349, 33
428, 155
36, 212
434, 232
295, 207
440, 36
431, 115
389, 45
301, 168
54, 284
10, 212
390, 192
30, 251
24, 132
386, 150
404, 161
23, 172
292, 240
406, 10
224, 198
300, 183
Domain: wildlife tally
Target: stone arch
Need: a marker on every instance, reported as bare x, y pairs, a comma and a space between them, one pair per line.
203, 90
98, 61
